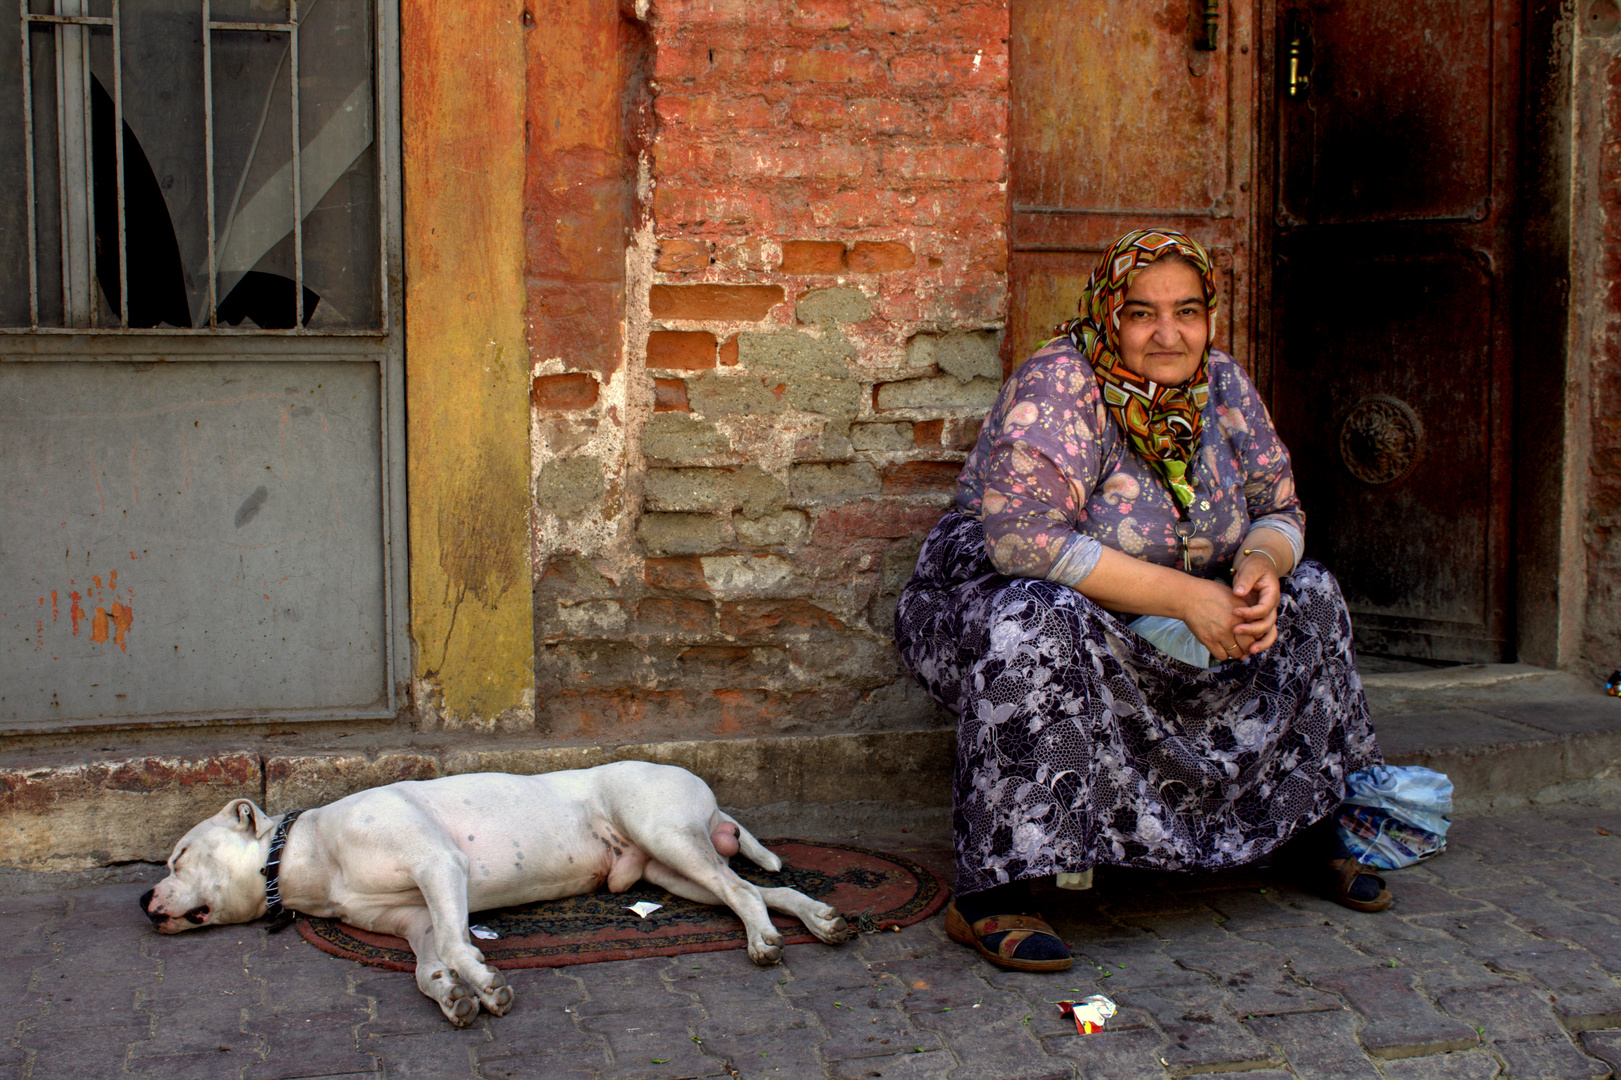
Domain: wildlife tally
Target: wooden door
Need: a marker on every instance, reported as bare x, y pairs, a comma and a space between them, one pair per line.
1391, 299
1122, 120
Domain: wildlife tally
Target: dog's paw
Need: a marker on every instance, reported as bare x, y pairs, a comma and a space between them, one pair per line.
457, 1000
828, 925
767, 951
497, 997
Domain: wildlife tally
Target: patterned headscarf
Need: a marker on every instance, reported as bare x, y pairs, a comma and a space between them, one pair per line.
1161, 422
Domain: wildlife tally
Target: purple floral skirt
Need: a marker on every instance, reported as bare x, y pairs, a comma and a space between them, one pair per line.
1079, 744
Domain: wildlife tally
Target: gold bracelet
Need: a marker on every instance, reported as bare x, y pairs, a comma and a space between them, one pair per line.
1262, 551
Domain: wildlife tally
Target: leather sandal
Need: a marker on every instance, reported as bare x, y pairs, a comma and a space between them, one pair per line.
1340, 874
1014, 930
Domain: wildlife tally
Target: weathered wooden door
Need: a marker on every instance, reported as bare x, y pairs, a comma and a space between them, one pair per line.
1126, 116
1393, 212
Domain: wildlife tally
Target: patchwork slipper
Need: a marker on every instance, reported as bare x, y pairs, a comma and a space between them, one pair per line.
1014, 930
1341, 874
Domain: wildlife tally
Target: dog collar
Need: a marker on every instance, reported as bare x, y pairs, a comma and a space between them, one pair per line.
279, 917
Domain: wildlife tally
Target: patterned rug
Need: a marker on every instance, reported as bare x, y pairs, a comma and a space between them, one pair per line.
872, 889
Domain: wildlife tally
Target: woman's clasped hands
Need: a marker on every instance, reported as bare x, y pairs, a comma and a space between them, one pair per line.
1238, 620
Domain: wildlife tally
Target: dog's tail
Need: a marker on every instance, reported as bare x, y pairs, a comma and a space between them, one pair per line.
748, 845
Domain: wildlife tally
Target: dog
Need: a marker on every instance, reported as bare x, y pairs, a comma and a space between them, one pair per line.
413, 858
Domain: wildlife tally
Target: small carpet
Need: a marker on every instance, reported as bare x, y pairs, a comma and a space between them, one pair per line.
872, 889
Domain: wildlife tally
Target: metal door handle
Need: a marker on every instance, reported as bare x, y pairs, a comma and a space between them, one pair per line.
1299, 55
1206, 42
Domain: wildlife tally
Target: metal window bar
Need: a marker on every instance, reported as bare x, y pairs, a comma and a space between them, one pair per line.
85, 279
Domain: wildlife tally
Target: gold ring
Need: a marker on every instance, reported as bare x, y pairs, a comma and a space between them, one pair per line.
1232, 648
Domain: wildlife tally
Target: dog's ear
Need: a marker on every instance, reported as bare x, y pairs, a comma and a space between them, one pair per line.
244, 814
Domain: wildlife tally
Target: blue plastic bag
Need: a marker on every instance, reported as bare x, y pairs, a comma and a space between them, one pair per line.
1395, 815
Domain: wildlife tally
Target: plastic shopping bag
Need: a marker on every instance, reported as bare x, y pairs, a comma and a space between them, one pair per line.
1395, 815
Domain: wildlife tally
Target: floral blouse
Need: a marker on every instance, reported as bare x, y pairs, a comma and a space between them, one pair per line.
1051, 477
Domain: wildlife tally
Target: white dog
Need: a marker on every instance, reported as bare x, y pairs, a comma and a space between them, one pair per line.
411, 859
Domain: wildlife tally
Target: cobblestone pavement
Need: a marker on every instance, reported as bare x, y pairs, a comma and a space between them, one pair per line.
1502, 958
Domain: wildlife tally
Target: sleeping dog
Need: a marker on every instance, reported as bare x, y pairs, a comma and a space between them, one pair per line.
413, 858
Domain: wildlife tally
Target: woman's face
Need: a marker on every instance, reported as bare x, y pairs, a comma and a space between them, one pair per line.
1163, 323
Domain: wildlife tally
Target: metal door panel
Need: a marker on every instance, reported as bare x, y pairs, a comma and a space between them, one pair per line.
1394, 122
195, 537
1130, 93
1119, 120
1409, 546
1395, 265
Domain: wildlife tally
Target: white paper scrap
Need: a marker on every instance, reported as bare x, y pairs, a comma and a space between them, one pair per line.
484, 933
644, 908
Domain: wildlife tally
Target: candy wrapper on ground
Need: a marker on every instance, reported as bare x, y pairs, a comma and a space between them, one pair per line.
1088, 1013
1613, 686
1395, 815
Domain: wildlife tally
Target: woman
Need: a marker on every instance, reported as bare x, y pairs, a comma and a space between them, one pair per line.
1120, 702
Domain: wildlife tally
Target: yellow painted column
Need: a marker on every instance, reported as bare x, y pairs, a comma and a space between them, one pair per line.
467, 363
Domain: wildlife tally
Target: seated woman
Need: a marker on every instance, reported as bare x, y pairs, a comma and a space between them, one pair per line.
1120, 703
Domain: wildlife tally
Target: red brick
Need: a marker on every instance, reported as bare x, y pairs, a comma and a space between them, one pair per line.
812, 256
683, 350
682, 256
670, 395
957, 70
774, 617
675, 615
714, 111
841, 161
920, 477
878, 257
943, 163
843, 525
926, 433
900, 18
571, 321
728, 352
823, 66
735, 303
562, 393
870, 116
820, 15
677, 572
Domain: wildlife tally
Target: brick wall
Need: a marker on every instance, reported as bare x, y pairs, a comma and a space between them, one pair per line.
730, 494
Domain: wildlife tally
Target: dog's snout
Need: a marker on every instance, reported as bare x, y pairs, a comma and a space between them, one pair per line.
146, 906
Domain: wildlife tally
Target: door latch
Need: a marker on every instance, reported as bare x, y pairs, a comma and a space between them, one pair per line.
1206, 41
1298, 55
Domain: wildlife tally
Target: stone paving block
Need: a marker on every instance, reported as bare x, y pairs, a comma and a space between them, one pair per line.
727, 990
1483, 933
1131, 1054
1307, 950
397, 1007
448, 1055
1459, 1065
186, 1037
991, 1045
1518, 1024
1320, 1045
1397, 1020
1412, 897
66, 1057
1460, 869
638, 1037
538, 1067
320, 1045
1558, 968
197, 1066
17, 977
1201, 1036
1259, 909
298, 988
788, 1053
928, 1065
641, 981
1117, 963
1604, 1045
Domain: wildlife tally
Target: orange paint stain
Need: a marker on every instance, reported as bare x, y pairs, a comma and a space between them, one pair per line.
123, 617
112, 580
53, 606
75, 612
97, 579
98, 625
